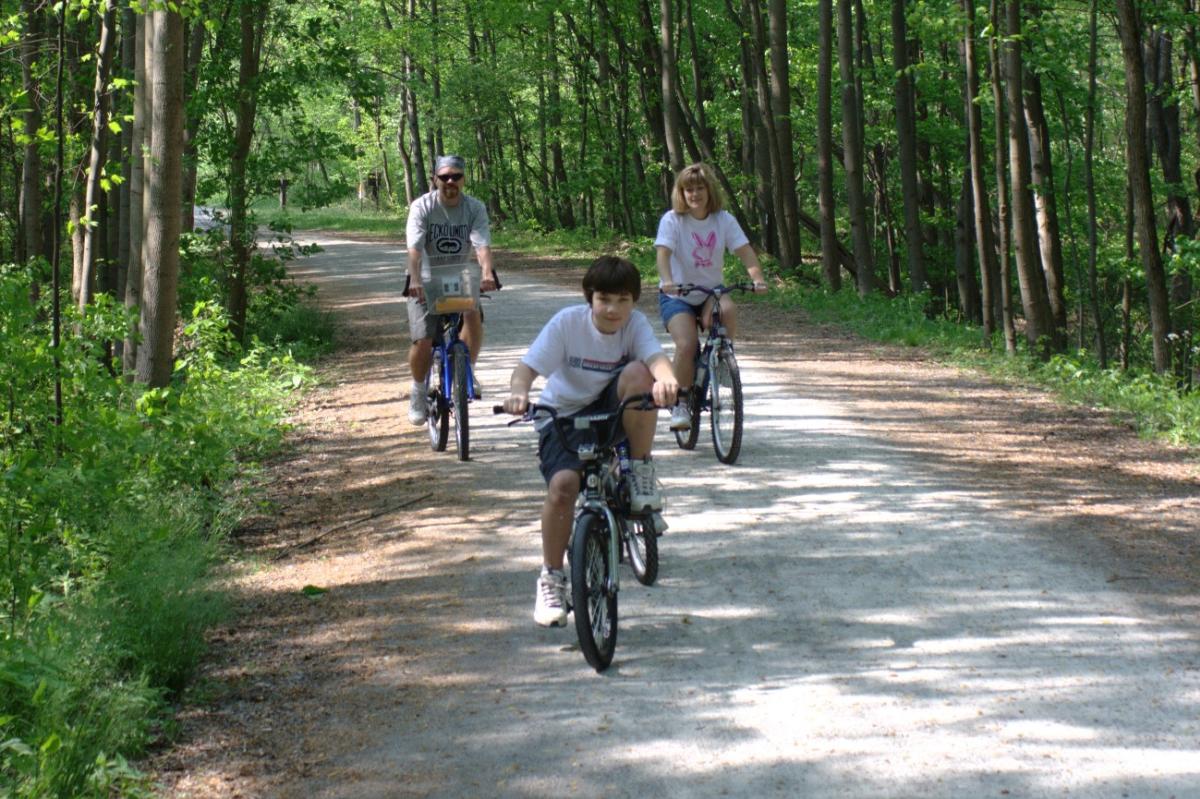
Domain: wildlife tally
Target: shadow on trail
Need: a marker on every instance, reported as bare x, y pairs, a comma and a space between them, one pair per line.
839, 614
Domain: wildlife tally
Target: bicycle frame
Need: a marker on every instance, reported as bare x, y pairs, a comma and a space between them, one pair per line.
445, 340
601, 472
716, 338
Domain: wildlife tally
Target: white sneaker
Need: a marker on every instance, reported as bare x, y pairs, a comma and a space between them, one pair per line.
550, 607
681, 418
643, 488
417, 412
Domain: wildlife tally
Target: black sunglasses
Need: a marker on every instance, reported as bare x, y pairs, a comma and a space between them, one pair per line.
450, 177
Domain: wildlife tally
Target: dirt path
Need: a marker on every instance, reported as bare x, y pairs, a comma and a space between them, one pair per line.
915, 583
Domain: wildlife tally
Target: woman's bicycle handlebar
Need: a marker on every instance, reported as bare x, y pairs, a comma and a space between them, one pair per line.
684, 289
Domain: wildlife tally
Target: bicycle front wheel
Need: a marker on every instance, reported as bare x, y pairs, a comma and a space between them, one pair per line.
686, 439
459, 364
437, 409
641, 542
591, 595
726, 392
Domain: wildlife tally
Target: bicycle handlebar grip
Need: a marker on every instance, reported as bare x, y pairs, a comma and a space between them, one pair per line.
497, 409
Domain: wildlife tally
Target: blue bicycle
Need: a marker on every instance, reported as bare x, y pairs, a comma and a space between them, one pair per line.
451, 384
717, 386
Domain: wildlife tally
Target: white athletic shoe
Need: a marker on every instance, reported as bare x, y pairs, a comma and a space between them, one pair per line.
550, 607
417, 413
681, 418
643, 488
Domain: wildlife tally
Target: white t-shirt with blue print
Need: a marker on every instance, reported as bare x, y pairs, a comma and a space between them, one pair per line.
579, 361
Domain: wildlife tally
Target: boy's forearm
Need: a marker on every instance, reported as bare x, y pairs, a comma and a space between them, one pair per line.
521, 380
661, 368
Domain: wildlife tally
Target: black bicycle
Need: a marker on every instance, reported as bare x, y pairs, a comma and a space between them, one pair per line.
717, 385
605, 531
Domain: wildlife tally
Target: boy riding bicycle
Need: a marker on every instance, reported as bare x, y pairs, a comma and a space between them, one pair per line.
691, 243
593, 356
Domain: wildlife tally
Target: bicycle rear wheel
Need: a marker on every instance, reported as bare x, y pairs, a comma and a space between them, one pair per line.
594, 602
437, 409
641, 542
459, 364
726, 392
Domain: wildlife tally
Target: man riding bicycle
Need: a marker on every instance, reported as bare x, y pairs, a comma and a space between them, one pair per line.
442, 227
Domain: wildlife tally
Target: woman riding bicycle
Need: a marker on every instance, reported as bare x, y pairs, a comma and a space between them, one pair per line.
593, 356
691, 243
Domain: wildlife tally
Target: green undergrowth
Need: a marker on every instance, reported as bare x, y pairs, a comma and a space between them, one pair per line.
113, 521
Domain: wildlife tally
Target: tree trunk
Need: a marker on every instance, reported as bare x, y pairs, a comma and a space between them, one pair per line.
860, 233
1167, 139
563, 207
253, 15
1046, 205
97, 154
1090, 186
1130, 31
1004, 244
190, 155
137, 179
964, 227
31, 167
770, 163
906, 132
1039, 325
829, 262
164, 187
781, 110
985, 243
669, 80
410, 105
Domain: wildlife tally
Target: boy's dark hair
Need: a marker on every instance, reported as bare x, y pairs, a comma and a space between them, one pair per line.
612, 275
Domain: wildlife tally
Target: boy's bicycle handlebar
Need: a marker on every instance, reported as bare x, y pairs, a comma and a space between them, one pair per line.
639, 402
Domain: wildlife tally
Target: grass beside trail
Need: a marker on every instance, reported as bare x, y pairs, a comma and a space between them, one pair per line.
1152, 403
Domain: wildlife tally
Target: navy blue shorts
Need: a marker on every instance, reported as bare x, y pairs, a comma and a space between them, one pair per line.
552, 457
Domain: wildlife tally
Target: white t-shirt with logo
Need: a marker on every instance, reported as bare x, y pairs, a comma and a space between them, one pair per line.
698, 247
443, 234
579, 361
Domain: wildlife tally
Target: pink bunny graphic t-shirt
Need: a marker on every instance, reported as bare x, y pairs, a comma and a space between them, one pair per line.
698, 247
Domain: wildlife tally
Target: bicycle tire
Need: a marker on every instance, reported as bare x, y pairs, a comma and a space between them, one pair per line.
594, 604
725, 381
459, 364
641, 545
437, 413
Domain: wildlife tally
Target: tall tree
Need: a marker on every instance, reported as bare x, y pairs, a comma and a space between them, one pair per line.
985, 242
31, 168
669, 81
829, 260
1039, 324
1004, 245
93, 229
135, 221
164, 187
781, 110
1129, 28
1089, 173
252, 16
906, 133
860, 234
